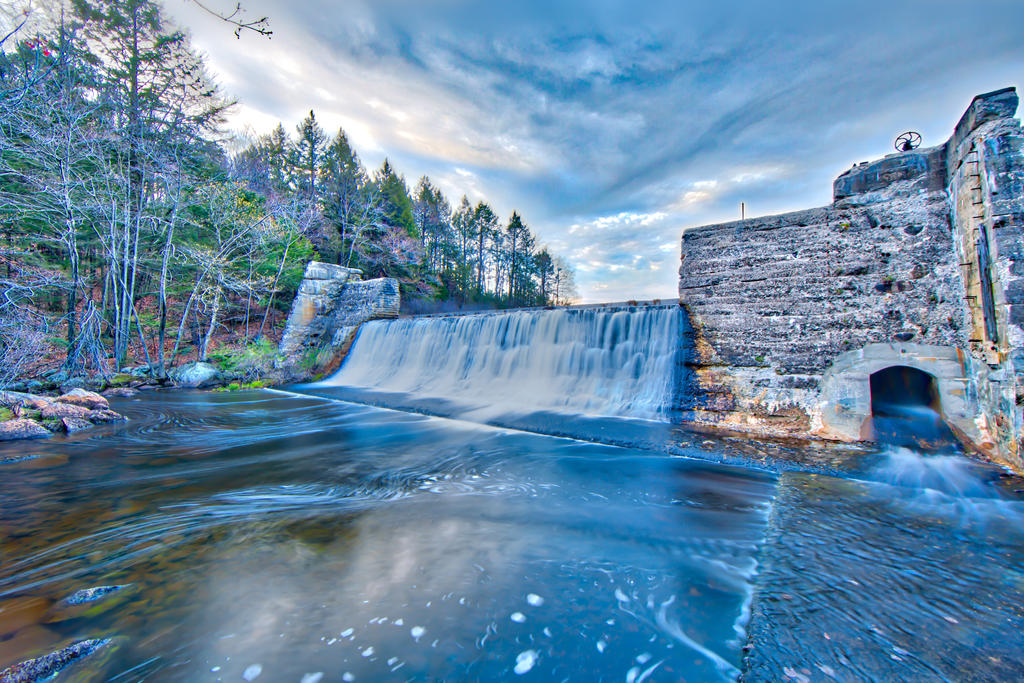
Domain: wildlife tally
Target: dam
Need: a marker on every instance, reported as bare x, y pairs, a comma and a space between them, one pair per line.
585, 493
782, 325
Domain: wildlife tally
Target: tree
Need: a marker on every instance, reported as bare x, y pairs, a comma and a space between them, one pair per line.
395, 197
485, 223
159, 98
343, 187
308, 152
544, 267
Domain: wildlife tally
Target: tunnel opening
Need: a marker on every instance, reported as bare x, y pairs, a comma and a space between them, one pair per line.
906, 410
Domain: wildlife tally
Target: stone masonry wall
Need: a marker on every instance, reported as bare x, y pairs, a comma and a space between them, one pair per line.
331, 304
774, 301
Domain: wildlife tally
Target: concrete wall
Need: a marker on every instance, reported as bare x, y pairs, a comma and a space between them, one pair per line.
793, 312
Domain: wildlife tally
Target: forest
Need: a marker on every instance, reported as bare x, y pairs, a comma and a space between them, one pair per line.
138, 229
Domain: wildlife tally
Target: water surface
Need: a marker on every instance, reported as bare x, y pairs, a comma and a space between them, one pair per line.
283, 536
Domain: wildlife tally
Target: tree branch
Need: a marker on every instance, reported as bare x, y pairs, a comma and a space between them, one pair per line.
237, 19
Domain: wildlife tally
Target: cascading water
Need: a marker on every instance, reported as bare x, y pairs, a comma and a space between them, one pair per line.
600, 361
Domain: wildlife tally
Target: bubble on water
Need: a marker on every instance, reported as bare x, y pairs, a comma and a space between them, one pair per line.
399, 622
347, 632
391, 662
644, 658
518, 617
368, 651
601, 645
620, 596
313, 678
547, 631
252, 671
632, 674
347, 677
525, 661
332, 641
215, 669
417, 632
534, 599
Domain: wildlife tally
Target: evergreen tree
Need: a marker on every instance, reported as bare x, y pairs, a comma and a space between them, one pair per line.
397, 205
343, 187
485, 223
309, 155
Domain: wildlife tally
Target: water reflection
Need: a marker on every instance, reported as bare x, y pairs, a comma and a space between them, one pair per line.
299, 536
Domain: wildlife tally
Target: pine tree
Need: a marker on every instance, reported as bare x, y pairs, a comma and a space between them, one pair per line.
485, 223
308, 155
395, 196
343, 187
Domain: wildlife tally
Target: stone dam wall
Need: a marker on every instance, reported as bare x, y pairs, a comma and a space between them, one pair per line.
331, 304
918, 262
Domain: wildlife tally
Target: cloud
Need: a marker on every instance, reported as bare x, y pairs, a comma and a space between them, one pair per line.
590, 117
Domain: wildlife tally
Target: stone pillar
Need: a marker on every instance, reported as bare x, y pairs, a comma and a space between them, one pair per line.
331, 304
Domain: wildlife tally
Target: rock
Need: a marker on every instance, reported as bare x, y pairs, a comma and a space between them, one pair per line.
85, 399
91, 594
58, 411
33, 385
75, 424
13, 430
195, 375
14, 398
74, 383
121, 392
48, 666
101, 416
57, 376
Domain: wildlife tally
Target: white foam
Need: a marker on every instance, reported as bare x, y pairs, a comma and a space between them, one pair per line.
525, 661
417, 632
534, 599
252, 671
313, 678
518, 617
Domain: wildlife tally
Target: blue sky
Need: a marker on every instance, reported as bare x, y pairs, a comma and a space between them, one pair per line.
614, 126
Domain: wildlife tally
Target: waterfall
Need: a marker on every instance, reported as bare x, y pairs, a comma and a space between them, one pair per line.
593, 361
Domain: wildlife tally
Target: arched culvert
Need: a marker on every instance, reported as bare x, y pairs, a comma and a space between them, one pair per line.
896, 389
906, 409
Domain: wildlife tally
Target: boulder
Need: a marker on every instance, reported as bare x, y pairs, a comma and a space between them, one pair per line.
59, 411
56, 376
75, 383
14, 398
85, 399
102, 416
12, 430
48, 666
121, 392
75, 424
195, 375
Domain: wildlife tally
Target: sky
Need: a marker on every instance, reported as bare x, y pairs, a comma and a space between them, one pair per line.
613, 126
